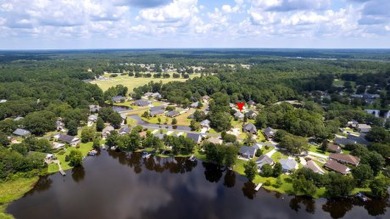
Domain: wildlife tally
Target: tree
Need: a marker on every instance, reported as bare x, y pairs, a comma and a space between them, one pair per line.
214, 153
362, 174
72, 127
112, 138
228, 137
294, 144
174, 121
379, 187
87, 134
339, 185
99, 124
4, 141
303, 186
40, 122
220, 121
378, 134
96, 143
277, 169
375, 160
75, 158
266, 170
195, 126
230, 155
250, 170
116, 120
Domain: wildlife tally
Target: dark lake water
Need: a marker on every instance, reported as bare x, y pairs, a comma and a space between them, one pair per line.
114, 185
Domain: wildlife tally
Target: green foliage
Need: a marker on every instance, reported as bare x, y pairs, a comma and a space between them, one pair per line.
277, 169
379, 187
75, 158
110, 116
195, 126
266, 170
40, 122
99, 124
303, 186
87, 134
72, 127
250, 170
339, 185
378, 134
220, 121
294, 144
180, 145
362, 174
96, 143
129, 142
112, 138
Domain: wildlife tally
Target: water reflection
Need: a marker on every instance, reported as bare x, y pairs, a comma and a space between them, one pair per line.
124, 185
78, 174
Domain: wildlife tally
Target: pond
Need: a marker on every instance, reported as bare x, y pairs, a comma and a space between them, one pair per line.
122, 186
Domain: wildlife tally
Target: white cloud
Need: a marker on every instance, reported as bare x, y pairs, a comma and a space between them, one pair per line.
177, 11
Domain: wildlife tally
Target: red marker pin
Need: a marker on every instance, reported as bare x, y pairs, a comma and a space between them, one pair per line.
240, 105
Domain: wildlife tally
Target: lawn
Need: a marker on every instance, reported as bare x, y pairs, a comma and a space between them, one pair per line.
316, 149
12, 190
84, 148
277, 156
132, 82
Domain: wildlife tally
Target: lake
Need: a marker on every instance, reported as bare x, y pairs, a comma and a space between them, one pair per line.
116, 185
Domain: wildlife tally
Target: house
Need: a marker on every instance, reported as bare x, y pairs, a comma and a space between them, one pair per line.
106, 131
172, 114
215, 140
157, 112
358, 139
159, 136
205, 124
239, 115
343, 141
314, 167
118, 99
337, 167
196, 137
288, 165
124, 130
352, 123
251, 103
363, 128
71, 140
345, 158
59, 124
269, 133
142, 103
21, 132
194, 105
18, 118
206, 98
333, 148
262, 160
250, 128
92, 118
248, 152
57, 145
157, 108
94, 108
251, 114
156, 95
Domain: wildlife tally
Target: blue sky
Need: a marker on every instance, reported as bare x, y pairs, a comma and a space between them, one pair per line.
85, 24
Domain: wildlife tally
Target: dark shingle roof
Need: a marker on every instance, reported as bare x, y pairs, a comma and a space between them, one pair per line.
250, 128
66, 138
336, 166
196, 137
345, 158
248, 151
262, 160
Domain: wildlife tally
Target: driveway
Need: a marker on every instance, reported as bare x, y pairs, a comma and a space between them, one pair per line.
318, 155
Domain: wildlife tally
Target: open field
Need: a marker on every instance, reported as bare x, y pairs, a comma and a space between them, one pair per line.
132, 82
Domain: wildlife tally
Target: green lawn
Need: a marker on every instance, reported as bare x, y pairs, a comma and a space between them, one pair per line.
278, 155
84, 148
316, 149
12, 190
132, 82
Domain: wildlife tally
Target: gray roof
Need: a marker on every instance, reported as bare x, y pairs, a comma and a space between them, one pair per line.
172, 113
141, 102
205, 122
157, 112
288, 164
358, 139
157, 108
66, 138
21, 132
262, 160
248, 151
344, 141
238, 115
124, 129
250, 128
269, 132
196, 137
194, 105
118, 98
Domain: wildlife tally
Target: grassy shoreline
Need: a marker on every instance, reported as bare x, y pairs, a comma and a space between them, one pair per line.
13, 190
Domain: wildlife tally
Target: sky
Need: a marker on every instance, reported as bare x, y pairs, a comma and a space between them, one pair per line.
90, 24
